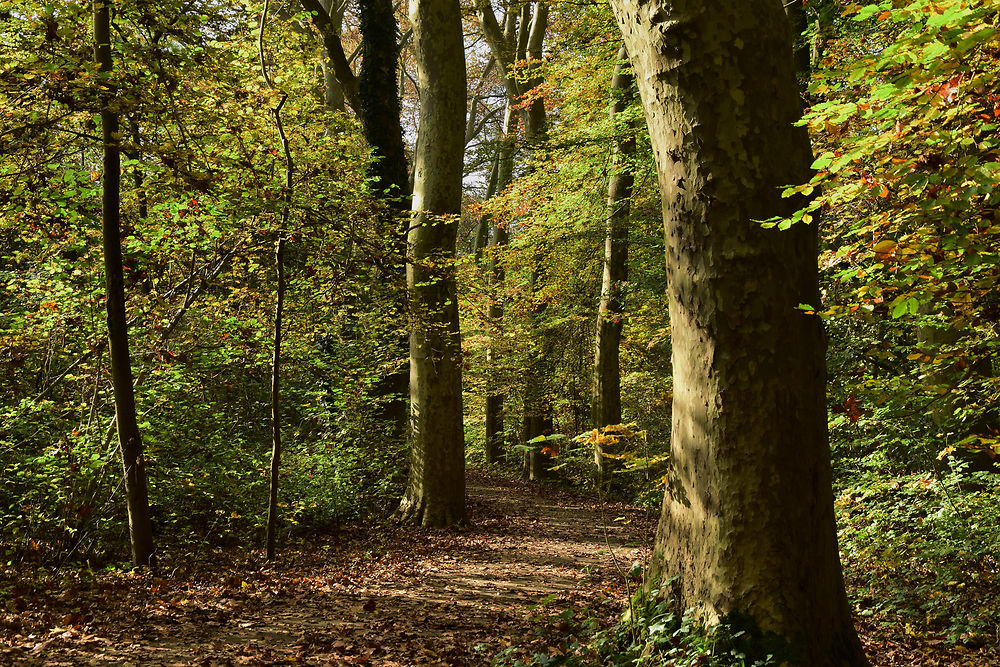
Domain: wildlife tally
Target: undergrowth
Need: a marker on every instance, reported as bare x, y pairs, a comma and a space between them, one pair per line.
650, 634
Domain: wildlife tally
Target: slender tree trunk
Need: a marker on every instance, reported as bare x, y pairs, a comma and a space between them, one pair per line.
537, 413
520, 38
482, 229
494, 314
534, 117
272, 502
136, 494
606, 397
435, 495
747, 530
279, 263
537, 405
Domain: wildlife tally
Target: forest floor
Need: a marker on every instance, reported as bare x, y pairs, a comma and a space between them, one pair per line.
385, 596
534, 562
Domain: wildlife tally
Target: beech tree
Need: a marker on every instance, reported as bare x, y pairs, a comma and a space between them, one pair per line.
435, 494
519, 39
606, 396
373, 95
747, 530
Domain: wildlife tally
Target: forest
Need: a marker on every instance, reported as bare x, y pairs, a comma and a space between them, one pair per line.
500, 332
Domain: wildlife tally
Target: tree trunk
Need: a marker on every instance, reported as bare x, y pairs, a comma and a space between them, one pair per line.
537, 406
272, 504
795, 10
747, 529
494, 315
279, 263
333, 92
380, 108
435, 495
136, 494
375, 98
537, 412
607, 401
387, 171
483, 228
534, 116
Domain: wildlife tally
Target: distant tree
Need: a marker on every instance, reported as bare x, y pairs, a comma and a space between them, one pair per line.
435, 494
518, 39
747, 531
373, 95
606, 396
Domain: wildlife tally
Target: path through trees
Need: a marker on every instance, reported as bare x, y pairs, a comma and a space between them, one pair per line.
406, 598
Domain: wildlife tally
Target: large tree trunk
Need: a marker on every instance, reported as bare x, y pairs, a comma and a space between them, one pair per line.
747, 528
136, 494
435, 495
606, 396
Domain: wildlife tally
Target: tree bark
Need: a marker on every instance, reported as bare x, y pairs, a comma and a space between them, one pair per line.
279, 263
324, 18
387, 171
534, 116
333, 91
747, 530
272, 503
136, 493
494, 396
435, 495
606, 395
795, 10
380, 109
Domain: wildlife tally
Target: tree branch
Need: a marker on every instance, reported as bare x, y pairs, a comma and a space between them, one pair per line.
335, 51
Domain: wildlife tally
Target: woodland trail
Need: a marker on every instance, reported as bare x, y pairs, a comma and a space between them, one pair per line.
406, 597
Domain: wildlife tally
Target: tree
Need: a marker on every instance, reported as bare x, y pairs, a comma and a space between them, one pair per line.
129, 439
520, 39
373, 95
747, 531
435, 494
910, 223
279, 265
606, 396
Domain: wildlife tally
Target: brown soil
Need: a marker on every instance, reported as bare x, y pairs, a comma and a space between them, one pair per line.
396, 598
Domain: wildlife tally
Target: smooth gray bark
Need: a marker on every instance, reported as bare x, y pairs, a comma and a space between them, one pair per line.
435, 494
606, 392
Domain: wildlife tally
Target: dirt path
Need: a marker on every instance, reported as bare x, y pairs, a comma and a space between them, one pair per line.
414, 597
